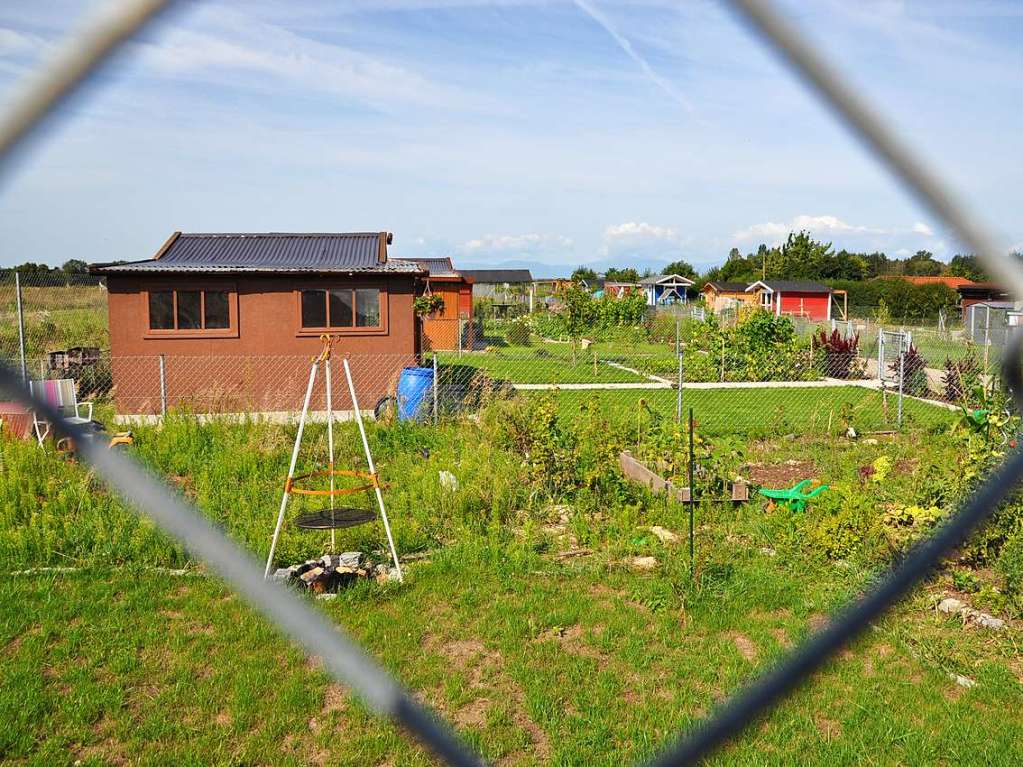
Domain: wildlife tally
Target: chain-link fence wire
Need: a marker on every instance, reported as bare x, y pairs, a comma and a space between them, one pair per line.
75, 63
45, 310
812, 390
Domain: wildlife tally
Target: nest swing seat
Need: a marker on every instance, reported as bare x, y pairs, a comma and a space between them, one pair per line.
339, 517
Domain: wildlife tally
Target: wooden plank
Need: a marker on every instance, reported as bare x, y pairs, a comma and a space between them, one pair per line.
639, 472
740, 491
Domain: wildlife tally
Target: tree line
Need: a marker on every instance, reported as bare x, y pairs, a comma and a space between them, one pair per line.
72, 272
801, 257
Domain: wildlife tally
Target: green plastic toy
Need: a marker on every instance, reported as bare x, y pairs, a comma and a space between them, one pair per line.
794, 498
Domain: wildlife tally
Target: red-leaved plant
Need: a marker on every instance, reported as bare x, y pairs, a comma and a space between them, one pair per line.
839, 354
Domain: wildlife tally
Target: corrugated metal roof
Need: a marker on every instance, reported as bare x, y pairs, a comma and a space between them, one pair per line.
437, 267
794, 286
268, 252
496, 276
393, 266
654, 279
728, 287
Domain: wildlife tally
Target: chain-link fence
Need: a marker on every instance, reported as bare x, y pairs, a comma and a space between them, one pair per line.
229, 384
813, 390
48, 311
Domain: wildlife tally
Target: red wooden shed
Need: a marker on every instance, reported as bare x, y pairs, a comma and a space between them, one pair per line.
794, 298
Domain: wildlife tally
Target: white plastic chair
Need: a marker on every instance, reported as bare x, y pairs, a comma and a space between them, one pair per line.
61, 395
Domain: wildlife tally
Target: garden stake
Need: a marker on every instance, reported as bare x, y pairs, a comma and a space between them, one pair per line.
692, 498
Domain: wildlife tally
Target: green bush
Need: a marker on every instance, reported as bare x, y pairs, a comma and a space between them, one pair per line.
1010, 566
518, 332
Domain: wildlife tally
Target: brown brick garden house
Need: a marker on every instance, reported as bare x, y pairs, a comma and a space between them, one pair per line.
237, 318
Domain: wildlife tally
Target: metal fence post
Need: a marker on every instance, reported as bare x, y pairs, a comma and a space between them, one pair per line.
692, 499
678, 333
163, 387
459, 337
902, 377
435, 410
21, 328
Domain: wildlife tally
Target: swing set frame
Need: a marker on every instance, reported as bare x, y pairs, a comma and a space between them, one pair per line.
292, 484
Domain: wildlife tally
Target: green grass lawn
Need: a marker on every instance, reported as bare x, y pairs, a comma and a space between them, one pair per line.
536, 658
762, 411
537, 363
534, 661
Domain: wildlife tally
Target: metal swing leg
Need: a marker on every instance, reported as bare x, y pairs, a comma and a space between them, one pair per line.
291, 468
372, 470
330, 444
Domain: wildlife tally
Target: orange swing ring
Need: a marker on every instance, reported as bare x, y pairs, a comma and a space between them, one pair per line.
339, 517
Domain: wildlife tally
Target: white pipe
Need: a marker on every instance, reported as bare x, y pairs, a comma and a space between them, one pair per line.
330, 446
291, 469
372, 469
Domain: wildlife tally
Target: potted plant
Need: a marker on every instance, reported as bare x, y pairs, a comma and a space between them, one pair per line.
428, 304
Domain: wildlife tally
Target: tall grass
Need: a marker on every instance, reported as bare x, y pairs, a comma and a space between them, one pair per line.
54, 511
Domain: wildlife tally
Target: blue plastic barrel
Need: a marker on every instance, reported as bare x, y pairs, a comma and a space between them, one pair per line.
414, 385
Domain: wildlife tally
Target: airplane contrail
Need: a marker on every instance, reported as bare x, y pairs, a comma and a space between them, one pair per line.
626, 46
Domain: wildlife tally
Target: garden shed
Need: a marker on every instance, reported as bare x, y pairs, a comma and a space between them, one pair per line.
665, 289
227, 313
794, 298
720, 296
441, 328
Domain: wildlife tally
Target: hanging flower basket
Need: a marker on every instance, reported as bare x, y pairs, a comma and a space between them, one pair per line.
427, 305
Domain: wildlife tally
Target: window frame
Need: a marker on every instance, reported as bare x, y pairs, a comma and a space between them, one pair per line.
231, 331
352, 285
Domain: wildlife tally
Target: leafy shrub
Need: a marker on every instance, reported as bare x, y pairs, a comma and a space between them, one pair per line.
578, 314
843, 523
1010, 567
838, 355
913, 368
518, 332
904, 525
961, 379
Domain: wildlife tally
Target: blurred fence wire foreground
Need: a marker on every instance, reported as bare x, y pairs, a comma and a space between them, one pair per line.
609, 374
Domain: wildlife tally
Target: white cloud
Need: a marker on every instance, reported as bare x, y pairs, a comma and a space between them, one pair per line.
775, 232
921, 228
232, 45
517, 243
639, 238
633, 229
14, 43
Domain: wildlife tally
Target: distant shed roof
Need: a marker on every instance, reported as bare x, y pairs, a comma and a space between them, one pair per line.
656, 279
273, 252
952, 282
726, 287
791, 286
498, 276
437, 267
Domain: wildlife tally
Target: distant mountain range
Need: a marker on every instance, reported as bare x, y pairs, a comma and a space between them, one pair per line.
542, 270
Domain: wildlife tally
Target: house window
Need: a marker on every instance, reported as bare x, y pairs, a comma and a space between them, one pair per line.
340, 308
766, 299
189, 311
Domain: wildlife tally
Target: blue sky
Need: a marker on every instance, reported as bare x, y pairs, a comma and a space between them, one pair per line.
551, 132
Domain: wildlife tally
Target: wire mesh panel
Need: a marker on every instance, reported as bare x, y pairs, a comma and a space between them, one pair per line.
212, 384
892, 345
